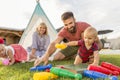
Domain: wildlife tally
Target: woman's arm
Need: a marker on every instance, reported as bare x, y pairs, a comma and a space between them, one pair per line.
34, 44
47, 39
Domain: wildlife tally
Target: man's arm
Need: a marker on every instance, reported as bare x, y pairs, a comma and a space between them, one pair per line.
51, 48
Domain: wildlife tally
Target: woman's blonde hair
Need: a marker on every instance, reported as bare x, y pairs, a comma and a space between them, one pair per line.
42, 25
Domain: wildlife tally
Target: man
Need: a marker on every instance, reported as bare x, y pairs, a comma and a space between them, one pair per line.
72, 31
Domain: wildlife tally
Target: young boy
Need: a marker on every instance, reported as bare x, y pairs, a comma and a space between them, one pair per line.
88, 50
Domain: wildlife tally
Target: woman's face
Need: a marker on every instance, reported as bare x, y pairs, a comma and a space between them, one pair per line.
42, 30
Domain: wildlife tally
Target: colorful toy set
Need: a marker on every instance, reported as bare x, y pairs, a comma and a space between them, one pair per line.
41, 68
103, 71
97, 75
44, 76
65, 73
110, 66
106, 71
106, 68
54, 73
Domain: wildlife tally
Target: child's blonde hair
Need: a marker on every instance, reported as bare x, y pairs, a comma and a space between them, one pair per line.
2, 45
92, 31
42, 25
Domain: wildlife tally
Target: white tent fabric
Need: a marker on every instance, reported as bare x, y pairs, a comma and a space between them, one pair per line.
37, 17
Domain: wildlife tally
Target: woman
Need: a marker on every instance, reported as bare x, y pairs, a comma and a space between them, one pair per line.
40, 41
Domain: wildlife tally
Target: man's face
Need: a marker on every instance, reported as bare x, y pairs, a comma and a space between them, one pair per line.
70, 25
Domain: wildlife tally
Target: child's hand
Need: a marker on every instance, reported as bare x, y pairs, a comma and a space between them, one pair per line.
10, 64
94, 64
5, 62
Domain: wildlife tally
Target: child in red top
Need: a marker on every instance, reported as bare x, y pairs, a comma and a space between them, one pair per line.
14, 52
88, 50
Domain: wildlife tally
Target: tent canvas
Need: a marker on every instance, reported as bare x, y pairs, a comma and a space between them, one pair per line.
38, 16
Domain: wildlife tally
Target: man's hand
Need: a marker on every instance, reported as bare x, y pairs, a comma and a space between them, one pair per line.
44, 59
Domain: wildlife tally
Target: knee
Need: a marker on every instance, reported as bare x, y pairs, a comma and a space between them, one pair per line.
59, 56
77, 62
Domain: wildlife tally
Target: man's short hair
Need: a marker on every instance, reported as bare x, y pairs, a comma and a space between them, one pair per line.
67, 15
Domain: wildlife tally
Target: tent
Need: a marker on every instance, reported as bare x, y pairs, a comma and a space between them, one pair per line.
37, 17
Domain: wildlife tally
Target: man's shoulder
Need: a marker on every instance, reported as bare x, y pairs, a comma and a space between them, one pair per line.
62, 30
82, 23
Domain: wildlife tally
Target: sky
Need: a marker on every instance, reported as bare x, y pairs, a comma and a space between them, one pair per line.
101, 14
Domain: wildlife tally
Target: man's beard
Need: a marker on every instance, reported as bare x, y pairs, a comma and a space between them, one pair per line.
72, 29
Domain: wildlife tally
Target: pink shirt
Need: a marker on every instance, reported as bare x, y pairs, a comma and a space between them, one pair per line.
20, 53
80, 27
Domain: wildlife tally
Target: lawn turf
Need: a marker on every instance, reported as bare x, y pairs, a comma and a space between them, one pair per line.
20, 71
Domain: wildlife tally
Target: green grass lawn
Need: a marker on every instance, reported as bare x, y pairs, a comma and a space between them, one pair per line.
20, 71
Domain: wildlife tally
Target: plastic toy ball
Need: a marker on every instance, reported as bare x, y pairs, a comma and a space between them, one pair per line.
5, 62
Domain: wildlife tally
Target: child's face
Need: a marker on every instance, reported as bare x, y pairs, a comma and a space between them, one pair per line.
2, 51
89, 38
